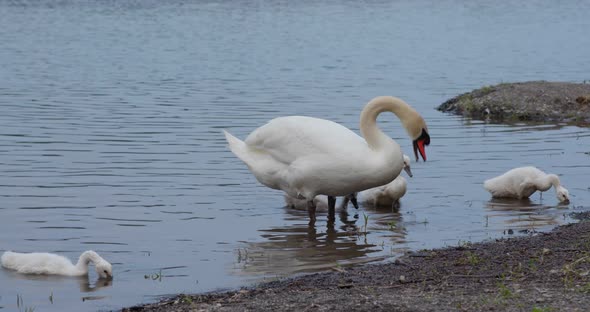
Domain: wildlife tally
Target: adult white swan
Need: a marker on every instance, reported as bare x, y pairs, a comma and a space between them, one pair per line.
522, 182
48, 263
305, 156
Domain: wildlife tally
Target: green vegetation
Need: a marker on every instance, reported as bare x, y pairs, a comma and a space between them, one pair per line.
366, 217
486, 90
504, 291
186, 299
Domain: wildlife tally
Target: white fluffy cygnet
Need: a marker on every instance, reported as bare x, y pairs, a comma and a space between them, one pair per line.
52, 264
522, 182
388, 194
384, 195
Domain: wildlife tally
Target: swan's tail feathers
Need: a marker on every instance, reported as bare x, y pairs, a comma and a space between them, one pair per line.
237, 146
234, 143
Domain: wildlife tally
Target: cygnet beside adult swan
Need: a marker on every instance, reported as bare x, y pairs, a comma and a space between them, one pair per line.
52, 264
390, 193
377, 196
305, 156
522, 182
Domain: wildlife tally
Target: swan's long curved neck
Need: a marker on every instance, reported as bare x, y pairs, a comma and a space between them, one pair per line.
548, 181
368, 123
85, 258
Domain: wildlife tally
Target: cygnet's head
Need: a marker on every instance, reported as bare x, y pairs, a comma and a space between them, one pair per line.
104, 269
407, 165
562, 195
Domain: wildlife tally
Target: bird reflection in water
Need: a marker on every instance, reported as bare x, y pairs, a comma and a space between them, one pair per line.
304, 247
524, 214
84, 283
87, 286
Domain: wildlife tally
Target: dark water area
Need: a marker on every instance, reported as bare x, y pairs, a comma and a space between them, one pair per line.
112, 111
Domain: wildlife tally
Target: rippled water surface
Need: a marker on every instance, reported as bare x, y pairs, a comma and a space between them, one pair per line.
111, 118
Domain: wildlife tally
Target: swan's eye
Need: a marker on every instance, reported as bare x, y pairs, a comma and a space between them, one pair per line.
105, 271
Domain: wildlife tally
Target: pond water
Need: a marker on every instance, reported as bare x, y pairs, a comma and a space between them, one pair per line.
112, 111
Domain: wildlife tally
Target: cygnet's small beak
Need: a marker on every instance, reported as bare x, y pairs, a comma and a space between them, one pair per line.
566, 201
408, 171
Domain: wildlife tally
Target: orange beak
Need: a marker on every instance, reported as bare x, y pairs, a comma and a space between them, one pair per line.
419, 147
420, 143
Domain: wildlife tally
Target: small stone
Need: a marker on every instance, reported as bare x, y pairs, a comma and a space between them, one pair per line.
402, 279
398, 261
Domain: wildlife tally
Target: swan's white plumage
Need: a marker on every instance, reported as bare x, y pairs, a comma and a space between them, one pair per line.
305, 156
52, 264
522, 182
295, 154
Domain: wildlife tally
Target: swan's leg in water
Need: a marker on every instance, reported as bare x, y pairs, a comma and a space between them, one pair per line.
353, 200
331, 208
311, 211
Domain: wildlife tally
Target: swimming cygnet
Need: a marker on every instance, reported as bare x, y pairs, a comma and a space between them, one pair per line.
47, 263
522, 182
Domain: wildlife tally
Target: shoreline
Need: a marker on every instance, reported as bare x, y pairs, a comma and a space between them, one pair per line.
541, 272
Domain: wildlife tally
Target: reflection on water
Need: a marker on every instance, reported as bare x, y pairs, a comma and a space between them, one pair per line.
86, 286
302, 247
49, 283
525, 214
112, 111
84, 282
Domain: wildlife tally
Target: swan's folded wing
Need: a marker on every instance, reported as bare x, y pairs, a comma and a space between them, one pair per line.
290, 138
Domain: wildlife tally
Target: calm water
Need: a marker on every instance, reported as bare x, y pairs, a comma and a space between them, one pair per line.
110, 133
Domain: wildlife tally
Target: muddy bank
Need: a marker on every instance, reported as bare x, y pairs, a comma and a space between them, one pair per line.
544, 272
525, 101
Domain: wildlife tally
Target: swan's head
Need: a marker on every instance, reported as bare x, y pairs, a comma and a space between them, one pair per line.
562, 194
104, 269
407, 165
416, 128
